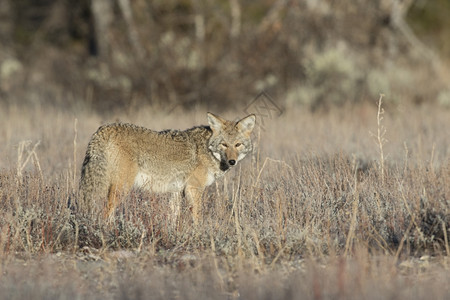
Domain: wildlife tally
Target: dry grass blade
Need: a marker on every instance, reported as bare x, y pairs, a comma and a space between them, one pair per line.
355, 204
30, 155
380, 136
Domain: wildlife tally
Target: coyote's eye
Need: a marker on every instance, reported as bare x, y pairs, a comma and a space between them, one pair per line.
224, 145
238, 145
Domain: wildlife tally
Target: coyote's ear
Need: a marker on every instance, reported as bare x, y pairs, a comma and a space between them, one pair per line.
247, 124
215, 122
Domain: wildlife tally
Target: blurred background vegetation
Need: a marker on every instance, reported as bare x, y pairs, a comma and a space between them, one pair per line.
106, 55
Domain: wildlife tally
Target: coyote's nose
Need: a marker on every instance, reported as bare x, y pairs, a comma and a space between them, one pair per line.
232, 162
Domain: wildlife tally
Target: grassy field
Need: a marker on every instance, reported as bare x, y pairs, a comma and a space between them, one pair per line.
346, 204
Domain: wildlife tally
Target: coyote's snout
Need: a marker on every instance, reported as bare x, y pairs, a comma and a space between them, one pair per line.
120, 156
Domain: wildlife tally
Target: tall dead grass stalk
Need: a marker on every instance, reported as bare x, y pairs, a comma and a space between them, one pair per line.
380, 136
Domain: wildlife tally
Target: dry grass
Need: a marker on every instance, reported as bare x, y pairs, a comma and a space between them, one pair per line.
309, 215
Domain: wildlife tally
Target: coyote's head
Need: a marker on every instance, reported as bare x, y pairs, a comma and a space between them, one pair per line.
230, 141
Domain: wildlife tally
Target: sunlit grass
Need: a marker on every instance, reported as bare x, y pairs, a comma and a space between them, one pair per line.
310, 212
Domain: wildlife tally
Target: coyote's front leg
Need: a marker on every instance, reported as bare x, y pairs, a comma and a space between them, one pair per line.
193, 191
194, 196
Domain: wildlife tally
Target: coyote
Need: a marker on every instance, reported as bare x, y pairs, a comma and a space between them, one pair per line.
120, 156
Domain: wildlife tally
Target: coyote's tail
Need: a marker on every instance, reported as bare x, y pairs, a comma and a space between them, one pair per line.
94, 180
